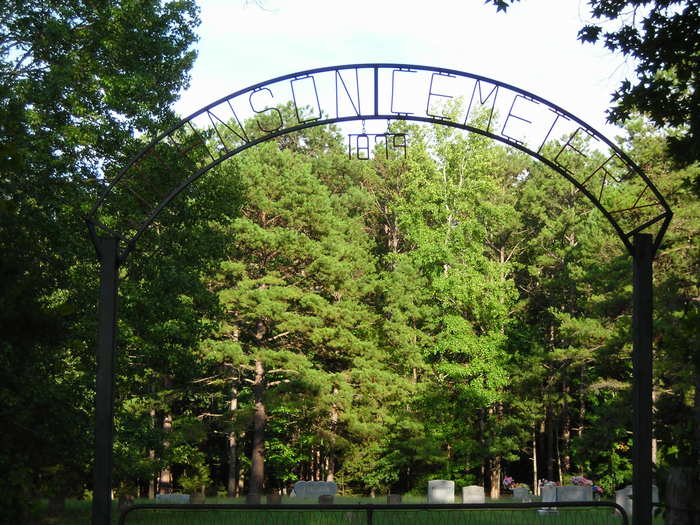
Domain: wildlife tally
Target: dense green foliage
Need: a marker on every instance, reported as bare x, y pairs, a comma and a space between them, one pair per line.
68, 109
459, 313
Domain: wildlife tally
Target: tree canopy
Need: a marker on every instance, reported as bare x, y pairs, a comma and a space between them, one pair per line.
458, 312
78, 80
662, 37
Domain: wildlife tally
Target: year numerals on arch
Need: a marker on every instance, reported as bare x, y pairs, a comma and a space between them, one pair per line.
365, 145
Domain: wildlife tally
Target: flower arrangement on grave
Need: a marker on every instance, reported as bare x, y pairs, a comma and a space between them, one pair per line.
509, 483
547, 483
581, 481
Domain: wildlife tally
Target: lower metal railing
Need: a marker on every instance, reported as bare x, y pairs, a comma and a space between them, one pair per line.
560, 513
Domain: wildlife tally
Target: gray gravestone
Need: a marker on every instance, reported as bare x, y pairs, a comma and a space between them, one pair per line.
521, 493
314, 489
473, 494
441, 491
173, 498
548, 493
623, 497
574, 493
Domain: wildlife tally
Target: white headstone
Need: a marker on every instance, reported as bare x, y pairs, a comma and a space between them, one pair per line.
521, 493
623, 497
172, 498
473, 494
575, 493
314, 489
548, 493
441, 491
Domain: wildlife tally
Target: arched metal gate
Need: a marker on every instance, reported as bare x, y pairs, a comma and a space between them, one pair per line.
375, 92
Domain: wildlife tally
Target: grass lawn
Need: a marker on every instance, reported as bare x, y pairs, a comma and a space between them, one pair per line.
78, 513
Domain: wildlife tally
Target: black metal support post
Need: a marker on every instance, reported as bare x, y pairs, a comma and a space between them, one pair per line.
108, 249
642, 385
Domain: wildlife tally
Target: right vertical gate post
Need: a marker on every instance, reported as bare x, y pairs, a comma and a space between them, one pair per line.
642, 379
108, 249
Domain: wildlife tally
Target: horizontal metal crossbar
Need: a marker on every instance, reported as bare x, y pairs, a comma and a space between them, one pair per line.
555, 513
378, 92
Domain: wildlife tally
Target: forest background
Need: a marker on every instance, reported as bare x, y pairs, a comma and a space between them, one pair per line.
458, 313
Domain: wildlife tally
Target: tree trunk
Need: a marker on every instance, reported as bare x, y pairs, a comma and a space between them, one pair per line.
565, 463
330, 473
448, 474
152, 458
257, 459
581, 402
482, 468
550, 446
306, 467
681, 501
165, 481
494, 464
329, 467
391, 230
321, 463
541, 449
317, 464
232, 449
558, 455
495, 476
152, 477
535, 480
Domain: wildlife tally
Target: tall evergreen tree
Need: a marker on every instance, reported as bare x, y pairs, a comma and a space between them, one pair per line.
292, 287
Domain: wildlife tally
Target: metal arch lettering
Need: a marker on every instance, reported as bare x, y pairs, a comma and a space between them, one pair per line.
437, 95
297, 108
352, 93
265, 109
516, 117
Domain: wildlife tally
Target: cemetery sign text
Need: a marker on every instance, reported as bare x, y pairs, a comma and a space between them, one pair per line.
376, 94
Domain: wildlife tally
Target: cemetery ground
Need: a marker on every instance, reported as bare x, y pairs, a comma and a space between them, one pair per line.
77, 512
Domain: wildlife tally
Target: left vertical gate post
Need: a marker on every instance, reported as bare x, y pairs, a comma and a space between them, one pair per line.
642, 359
108, 249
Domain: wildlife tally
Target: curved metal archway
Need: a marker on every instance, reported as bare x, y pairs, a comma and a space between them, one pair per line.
370, 92
376, 92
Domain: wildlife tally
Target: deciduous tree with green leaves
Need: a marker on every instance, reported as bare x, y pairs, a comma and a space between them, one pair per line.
77, 79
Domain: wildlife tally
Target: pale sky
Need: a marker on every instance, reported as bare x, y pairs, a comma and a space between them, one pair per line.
533, 46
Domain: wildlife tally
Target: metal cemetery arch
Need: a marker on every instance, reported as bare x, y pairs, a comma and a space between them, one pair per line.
345, 93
